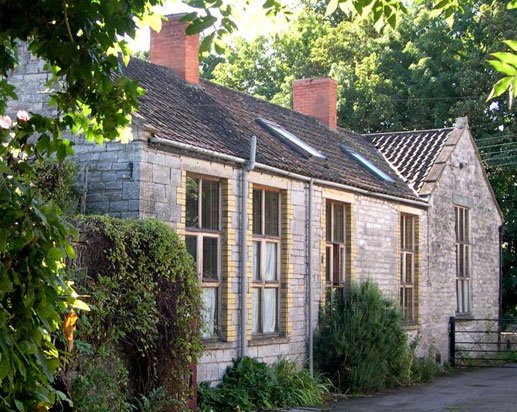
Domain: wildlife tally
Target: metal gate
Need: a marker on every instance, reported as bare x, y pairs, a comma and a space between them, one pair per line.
482, 342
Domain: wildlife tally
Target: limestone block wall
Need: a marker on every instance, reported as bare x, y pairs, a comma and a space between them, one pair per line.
462, 183
110, 177
29, 78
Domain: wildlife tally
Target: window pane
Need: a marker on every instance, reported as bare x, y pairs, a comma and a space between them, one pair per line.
336, 265
467, 261
191, 243
271, 214
409, 268
466, 301
269, 311
192, 212
339, 224
255, 310
409, 233
328, 221
328, 264
210, 257
461, 268
342, 261
257, 212
402, 267
271, 259
409, 304
456, 223
210, 205
462, 227
466, 235
256, 261
209, 296
459, 307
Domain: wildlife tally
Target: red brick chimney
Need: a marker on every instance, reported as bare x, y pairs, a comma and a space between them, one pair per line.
317, 98
172, 48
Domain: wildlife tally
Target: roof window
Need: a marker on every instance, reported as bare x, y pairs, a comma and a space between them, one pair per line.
366, 163
293, 141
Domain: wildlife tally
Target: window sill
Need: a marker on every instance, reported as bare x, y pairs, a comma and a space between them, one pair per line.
268, 340
411, 327
215, 343
464, 316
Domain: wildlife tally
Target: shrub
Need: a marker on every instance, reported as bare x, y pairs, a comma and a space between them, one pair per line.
424, 369
145, 301
56, 181
361, 344
249, 385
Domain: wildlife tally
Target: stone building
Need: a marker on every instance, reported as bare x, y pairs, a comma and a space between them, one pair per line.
279, 206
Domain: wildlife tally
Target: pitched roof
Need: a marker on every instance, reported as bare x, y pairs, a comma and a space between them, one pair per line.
412, 154
217, 118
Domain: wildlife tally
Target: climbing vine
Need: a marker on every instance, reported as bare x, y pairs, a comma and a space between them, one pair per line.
145, 302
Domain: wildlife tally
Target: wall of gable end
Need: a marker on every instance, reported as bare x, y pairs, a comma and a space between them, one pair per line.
462, 183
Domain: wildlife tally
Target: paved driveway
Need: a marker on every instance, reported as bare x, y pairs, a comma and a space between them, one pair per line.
487, 389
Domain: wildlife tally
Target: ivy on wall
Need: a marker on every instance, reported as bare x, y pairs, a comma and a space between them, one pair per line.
145, 300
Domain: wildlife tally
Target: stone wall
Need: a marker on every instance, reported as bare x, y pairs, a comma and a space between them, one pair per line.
462, 183
29, 79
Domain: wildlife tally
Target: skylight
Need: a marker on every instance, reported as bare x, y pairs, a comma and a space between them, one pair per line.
294, 141
366, 163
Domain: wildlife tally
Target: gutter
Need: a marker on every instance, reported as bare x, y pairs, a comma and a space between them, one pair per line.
267, 168
248, 167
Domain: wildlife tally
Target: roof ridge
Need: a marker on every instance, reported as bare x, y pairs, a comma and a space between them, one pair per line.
410, 131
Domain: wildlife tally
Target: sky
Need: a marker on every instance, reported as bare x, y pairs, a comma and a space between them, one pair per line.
251, 22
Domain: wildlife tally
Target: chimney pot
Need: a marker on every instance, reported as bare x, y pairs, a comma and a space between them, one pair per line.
317, 98
172, 48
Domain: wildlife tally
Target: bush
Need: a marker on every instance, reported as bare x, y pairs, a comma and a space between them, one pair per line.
56, 181
249, 385
361, 344
145, 301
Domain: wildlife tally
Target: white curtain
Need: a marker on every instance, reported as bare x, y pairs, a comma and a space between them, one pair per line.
256, 261
269, 310
255, 310
270, 272
209, 311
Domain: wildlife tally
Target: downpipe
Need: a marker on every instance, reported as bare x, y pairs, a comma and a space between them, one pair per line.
248, 167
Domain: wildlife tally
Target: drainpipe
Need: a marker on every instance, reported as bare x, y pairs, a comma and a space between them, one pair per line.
500, 314
309, 277
248, 167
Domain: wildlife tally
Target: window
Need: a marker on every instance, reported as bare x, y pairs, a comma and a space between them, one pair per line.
337, 237
265, 261
461, 224
293, 141
408, 253
366, 163
203, 240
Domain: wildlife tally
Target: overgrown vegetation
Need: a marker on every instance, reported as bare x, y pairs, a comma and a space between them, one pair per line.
136, 345
251, 385
56, 181
362, 346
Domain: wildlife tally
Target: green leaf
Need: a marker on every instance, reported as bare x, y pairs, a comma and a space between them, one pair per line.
500, 87
503, 67
512, 5
19, 405
511, 43
331, 7
79, 304
200, 24
506, 57
43, 363
4, 366
55, 253
206, 43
